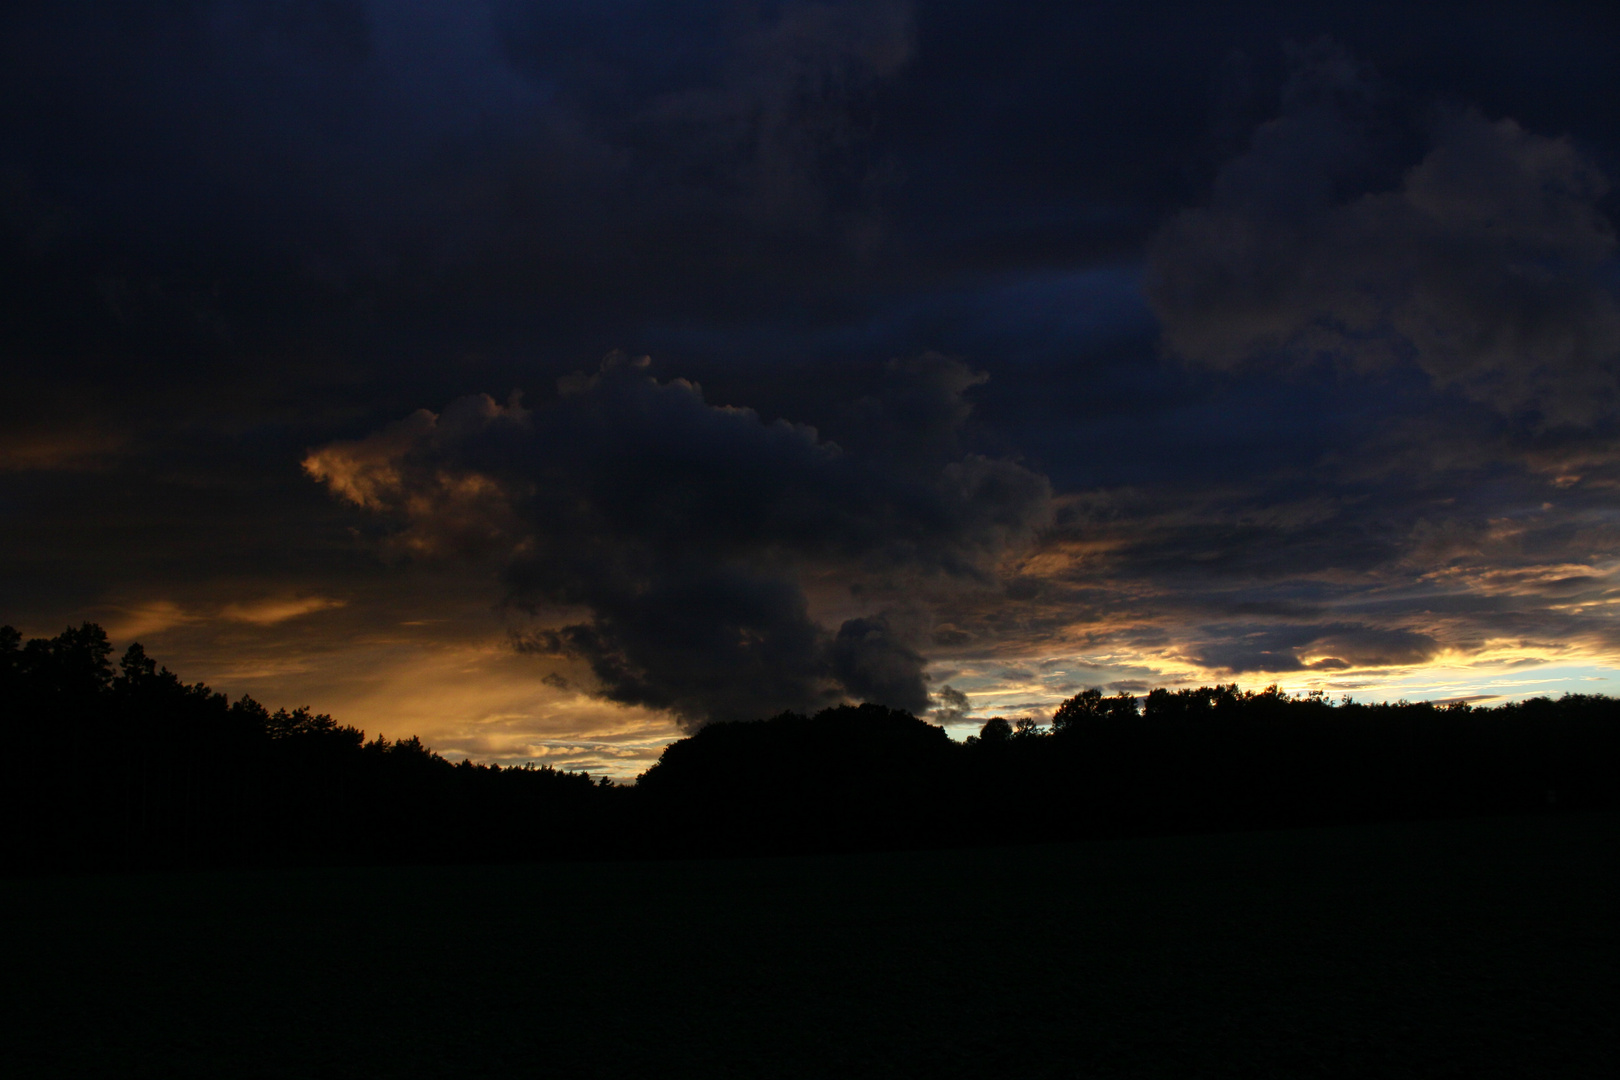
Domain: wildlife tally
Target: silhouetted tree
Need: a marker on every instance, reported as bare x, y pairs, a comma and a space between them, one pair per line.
1089, 706
141, 769
851, 776
995, 730
1027, 727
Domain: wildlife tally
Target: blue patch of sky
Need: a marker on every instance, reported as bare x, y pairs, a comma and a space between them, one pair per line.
1509, 683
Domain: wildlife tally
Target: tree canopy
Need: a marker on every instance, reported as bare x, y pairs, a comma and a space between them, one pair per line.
127, 765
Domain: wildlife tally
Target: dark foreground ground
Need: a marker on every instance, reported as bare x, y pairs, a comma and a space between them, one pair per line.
1464, 948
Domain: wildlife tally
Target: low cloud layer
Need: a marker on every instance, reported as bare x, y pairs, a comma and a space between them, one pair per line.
672, 544
1327, 588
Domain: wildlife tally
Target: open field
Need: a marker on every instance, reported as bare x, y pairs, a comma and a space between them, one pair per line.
1460, 948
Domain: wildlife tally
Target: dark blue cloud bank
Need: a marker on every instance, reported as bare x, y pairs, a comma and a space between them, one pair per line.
1142, 342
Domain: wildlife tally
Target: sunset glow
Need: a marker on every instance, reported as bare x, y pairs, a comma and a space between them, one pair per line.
498, 375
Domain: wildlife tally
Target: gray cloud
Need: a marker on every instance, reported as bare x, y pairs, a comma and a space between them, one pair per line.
1488, 265
1313, 572
953, 706
1335, 647
1363, 646
684, 533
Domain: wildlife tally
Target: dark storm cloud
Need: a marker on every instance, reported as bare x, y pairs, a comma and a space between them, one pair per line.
231, 230
1490, 265
335, 188
384, 201
686, 531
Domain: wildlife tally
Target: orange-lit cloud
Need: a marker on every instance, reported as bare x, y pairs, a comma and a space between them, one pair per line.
272, 610
154, 617
158, 616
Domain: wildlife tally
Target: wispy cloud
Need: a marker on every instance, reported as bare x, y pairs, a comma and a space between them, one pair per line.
272, 610
129, 621
154, 617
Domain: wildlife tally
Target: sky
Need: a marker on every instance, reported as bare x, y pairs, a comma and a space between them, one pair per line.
550, 379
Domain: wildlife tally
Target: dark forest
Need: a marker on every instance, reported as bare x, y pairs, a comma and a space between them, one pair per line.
129, 767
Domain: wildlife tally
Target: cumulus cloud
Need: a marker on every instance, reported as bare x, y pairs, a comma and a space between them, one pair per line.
667, 542
449, 507
1488, 264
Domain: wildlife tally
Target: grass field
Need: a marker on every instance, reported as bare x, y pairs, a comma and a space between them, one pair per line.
1463, 948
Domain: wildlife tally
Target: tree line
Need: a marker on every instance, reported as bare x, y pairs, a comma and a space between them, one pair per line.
130, 767
134, 768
